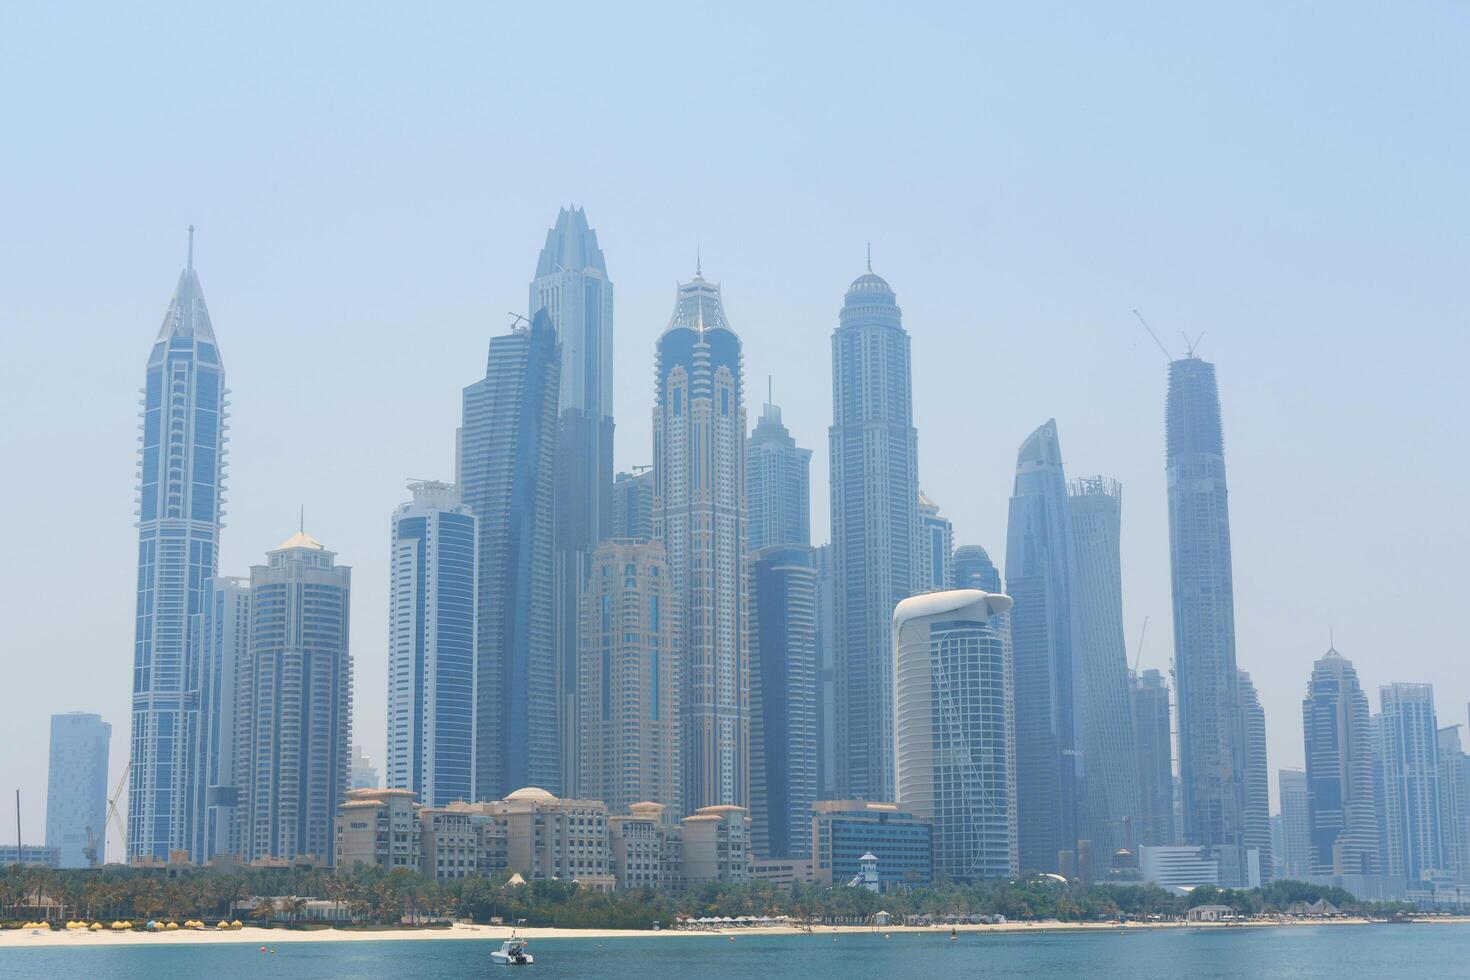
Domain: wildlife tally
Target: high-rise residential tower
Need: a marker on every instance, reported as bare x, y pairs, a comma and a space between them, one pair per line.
875, 540
433, 561
1454, 804
954, 737
180, 512
777, 484
783, 700
1108, 778
973, 569
1408, 762
826, 657
936, 548
629, 730
1041, 569
507, 445
1257, 778
220, 634
572, 286
699, 516
1295, 856
76, 789
1211, 749
1155, 757
294, 703
1338, 734
632, 513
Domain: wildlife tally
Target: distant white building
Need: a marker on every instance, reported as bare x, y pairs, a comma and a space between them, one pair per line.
1178, 866
76, 790
364, 773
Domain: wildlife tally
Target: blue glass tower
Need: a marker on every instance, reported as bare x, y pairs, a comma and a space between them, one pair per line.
777, 484
1337, 732
507, 449
181, 467
431, 646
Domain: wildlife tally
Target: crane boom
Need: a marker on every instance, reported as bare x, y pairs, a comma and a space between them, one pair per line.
1153, 335
113, 818
1137, 657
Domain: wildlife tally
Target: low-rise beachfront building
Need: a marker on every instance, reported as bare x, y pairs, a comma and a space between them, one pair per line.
844, 830
781, 872
378, 828
646, 848
1178, 866
716, 845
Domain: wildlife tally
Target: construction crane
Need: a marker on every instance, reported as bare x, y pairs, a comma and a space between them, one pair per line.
1137, 657
94, 859
1155, 336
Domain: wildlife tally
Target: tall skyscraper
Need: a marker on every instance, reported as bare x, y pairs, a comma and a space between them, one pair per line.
1257, 777
973, 569
220, 635
630, 751
294, 704
180, 510
431, 645
76, 788
875, 540
783, 700
507, 445
777, 484
1338, 735
1295, 856
572, 286
699, 515
955, 740
1211, 749
1155, 757
1109, 751
826, 656
1454, 799
632, 514
936, 548
1041, 569
1408, 750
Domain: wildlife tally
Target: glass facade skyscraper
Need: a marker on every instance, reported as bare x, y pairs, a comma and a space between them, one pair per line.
1408, 762
935, 549
295, 705
507, 446
1338, 735
875, 539
182, 467
1108, 777
431, 646
1041, 569
699, 516
973, 569
954, 735
1211, 749
76, 788
220, 636
1295, 855
571, 285
777, 484
1257, 778
1155, 740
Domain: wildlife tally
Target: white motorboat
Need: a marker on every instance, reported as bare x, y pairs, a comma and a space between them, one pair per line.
512, 952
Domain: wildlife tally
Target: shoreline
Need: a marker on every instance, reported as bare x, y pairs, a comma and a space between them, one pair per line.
490, 935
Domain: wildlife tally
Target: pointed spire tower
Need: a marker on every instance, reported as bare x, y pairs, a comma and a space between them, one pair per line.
180, 511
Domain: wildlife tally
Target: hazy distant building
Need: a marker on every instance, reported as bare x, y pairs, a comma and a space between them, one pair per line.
632, 506
783, 700
181, 465
1454, 798
1408, 763
362, 774
843, 831
1178, 866
1109, 777
955, 739
699, 516
874, 486
1041, 569
826, 657
220, 637
294, 705
1155, 757
1338, 736
629, 727
507, 448
431, 645
1257, 775
973, 569
777, 484
572, 287
1295, 856
1211, 749
76, 788
936, 548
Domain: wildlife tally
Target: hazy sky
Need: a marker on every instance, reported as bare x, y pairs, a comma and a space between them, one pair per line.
371, 185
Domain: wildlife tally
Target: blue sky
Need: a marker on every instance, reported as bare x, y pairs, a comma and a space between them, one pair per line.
371, 185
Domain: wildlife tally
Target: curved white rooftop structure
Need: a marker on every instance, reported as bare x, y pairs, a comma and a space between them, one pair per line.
970, 602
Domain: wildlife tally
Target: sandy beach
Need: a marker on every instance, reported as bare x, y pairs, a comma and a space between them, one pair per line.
251, 935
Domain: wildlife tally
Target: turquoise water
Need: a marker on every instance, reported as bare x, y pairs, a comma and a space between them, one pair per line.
1339, 952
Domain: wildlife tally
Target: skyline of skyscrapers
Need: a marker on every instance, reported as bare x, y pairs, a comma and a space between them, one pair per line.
181, 466
699, 515
875, 512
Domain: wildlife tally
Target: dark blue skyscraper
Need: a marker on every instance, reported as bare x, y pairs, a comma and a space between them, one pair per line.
1155, 757
182, 466
777, 484
1211, 734
1342, 822
506, 456
1041, 564
875, 513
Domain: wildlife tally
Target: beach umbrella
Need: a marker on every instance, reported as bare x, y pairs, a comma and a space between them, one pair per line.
222, 924
172, 925
236, 924
94, 927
